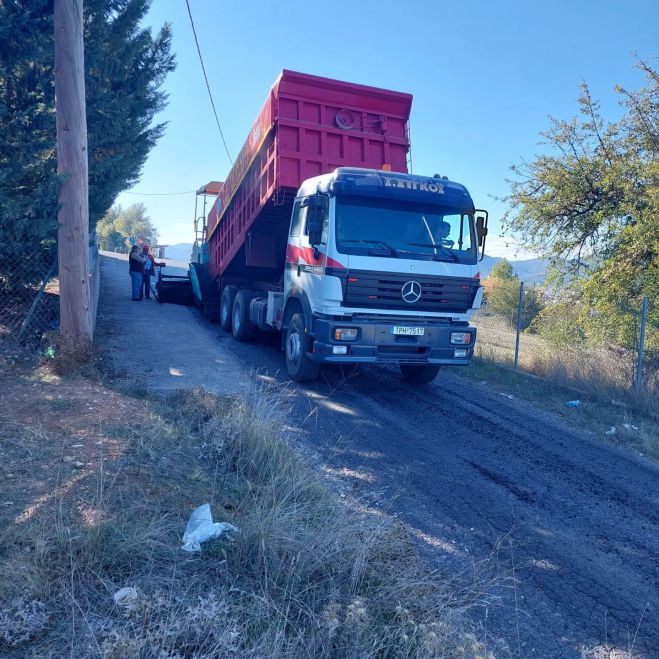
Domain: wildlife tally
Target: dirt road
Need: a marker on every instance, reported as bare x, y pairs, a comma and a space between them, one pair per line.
575, 521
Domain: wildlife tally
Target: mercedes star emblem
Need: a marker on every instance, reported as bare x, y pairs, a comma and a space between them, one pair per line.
411, 292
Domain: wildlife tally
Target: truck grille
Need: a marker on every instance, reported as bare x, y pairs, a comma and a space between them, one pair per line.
366, 289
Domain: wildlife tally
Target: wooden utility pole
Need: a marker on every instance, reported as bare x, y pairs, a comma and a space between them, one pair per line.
73, 217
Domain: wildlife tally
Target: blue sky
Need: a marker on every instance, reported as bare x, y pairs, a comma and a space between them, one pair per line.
485, 77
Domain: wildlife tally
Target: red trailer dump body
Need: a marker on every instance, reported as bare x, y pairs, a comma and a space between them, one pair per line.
307, 126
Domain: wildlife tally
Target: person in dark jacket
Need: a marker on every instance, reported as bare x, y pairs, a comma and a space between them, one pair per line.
150, 264
136, 270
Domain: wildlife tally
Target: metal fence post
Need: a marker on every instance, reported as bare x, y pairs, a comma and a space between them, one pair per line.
519, 321
641, 343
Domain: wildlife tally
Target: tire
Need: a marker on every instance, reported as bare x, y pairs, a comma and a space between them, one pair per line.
226, 306
300, 368
241, 325
419, 373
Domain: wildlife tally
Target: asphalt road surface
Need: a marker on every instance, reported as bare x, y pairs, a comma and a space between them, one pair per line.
163, 347
572, 522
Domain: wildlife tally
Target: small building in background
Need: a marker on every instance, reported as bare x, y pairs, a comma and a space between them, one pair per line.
159, 251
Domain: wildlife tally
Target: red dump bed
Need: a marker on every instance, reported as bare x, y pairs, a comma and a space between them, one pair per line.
307, 126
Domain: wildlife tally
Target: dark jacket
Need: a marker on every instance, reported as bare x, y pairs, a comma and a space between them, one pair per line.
136, 262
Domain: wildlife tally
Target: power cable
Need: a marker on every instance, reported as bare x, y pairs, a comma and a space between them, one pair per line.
210, 95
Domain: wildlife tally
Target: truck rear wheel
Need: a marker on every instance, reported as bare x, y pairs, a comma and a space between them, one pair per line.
298, 343
226, 306
241, 325
419, 373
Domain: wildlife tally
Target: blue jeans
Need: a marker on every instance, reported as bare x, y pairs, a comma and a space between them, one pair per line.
146, 284
136, 284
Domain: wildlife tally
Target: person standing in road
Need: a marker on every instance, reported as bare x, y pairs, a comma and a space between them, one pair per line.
149, 269
136, 270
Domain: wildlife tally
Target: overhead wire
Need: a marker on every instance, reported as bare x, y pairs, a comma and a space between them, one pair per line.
210, 95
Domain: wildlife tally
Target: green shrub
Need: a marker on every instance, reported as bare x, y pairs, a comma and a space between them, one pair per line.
559, 324
502, 298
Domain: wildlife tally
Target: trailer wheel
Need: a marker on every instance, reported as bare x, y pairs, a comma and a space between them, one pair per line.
419, 373
241, 325
298, 365
226, 306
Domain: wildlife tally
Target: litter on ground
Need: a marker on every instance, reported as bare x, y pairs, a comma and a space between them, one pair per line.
200, 528
127, 598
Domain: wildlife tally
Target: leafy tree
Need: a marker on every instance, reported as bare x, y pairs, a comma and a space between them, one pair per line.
119, 226
502, 270
107, 235
125, 68
591, 204
560, 324
502, 299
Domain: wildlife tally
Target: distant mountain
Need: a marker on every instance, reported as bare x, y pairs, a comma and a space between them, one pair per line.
179, 252
530, 271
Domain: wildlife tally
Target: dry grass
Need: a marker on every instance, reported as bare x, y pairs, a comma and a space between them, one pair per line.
601, 378
308, 574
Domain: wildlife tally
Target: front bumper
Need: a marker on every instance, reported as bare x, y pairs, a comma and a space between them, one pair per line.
377, 344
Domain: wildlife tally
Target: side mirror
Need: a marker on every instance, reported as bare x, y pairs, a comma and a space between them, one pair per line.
315, 218
481, 230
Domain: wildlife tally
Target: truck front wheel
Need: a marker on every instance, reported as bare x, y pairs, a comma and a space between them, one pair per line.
298, 343
241, 325
226, 306
419, 373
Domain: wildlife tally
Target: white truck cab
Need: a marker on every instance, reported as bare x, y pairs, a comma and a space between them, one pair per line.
380, 267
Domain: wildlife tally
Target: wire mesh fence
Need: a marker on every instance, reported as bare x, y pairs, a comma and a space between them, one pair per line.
502, 340
29, 301
29, 296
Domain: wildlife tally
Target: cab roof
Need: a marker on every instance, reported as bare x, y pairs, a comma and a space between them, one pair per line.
395, 185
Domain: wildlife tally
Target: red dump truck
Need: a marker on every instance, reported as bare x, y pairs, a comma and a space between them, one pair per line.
319, 233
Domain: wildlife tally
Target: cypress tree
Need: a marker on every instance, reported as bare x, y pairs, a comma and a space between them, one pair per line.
125, 64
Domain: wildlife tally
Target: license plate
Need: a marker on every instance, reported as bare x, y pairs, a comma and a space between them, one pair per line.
407, 331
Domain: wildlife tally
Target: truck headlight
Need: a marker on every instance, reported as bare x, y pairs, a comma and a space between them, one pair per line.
461, 338
345, 333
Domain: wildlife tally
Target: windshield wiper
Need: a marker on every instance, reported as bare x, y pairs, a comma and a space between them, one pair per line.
392, 250
445, 250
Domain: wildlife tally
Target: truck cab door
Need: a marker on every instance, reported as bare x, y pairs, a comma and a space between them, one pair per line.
305, 263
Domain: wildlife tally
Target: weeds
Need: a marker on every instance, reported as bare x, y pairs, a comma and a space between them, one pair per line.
21, 619
601, 376
308, 574
604, 373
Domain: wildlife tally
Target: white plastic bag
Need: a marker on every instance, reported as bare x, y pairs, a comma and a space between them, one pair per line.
127, 598
201, 528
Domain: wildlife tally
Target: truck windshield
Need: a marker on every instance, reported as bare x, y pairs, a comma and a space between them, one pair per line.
402, 229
